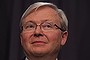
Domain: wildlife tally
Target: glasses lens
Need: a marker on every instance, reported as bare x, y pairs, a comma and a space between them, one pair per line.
29, 26
47, 26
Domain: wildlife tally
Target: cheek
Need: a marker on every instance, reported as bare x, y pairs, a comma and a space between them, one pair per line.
54, 37
54, 41
25, 38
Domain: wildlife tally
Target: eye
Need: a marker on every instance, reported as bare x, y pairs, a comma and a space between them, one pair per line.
47, 26
30, 26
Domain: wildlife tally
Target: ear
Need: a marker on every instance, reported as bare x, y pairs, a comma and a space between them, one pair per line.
64, 37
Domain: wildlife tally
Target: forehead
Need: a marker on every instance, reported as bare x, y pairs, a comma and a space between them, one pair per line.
42, 13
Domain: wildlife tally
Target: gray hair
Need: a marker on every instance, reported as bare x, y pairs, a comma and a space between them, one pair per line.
64, 22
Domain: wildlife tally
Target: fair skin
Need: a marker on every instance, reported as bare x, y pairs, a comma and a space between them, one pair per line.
47, 45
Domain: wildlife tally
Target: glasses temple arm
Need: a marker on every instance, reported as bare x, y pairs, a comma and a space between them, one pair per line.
60, 28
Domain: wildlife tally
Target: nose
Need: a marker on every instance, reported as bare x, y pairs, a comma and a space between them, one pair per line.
38, 32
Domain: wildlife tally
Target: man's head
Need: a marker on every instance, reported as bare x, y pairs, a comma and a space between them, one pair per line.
43, 29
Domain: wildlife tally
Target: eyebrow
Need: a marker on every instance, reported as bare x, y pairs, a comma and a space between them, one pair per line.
34, 21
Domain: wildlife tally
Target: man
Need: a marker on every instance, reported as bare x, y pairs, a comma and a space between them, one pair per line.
43, 31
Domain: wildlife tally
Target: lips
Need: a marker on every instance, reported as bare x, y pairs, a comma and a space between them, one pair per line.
38, 42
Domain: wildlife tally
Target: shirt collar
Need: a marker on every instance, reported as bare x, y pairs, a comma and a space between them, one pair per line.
27, 59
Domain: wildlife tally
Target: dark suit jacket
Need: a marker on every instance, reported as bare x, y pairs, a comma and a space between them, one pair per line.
23, 58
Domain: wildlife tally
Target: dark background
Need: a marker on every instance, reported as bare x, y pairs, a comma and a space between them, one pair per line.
77, 12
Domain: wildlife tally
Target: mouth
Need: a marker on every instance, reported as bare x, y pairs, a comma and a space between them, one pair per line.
38, 43
41, 41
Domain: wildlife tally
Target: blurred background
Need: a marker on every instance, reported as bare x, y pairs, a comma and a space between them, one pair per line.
77, 12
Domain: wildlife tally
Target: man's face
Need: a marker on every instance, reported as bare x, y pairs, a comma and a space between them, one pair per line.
47, 42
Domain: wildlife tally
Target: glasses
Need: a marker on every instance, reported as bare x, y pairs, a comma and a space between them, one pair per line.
45, 26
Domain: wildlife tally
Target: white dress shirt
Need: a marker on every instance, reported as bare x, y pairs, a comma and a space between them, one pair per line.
27, 59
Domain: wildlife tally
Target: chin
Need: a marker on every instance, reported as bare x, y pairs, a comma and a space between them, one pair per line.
40, 52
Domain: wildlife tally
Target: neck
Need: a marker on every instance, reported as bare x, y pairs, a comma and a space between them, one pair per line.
42, 57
